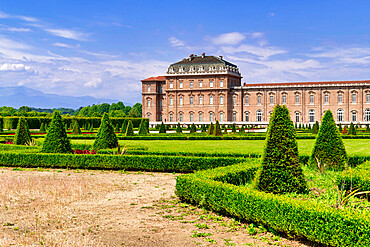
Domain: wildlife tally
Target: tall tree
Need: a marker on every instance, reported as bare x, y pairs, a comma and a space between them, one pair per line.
56, 140
106, 138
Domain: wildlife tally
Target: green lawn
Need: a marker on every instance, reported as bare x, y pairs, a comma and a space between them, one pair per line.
353, 146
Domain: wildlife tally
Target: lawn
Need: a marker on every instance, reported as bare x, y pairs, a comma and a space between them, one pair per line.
353, 146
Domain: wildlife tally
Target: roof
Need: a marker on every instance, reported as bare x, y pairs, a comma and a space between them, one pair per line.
197, 60
305, 83
158, 78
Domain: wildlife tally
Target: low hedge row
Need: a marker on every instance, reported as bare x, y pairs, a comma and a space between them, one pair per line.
314, 221
357, 178
114, 162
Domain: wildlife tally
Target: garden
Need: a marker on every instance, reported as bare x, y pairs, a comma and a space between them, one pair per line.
306, 182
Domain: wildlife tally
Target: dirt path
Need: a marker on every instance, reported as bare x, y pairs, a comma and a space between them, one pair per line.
101, 208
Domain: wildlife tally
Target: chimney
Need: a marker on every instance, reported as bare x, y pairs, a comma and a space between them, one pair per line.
191, 57
203, 55
220, 57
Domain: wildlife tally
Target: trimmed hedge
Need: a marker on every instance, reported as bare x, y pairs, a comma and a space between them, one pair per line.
358, 178
302, 218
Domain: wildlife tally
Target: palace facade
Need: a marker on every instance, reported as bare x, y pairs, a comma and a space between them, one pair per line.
203, 89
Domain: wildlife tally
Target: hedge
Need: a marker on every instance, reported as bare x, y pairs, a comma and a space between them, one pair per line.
358, 178
314, 221
114, 162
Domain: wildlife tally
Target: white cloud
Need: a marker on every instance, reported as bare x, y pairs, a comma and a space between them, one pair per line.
228, 38
67, 33
14, 67
15, 29
260, 52
20, 17
63, 45
176, 42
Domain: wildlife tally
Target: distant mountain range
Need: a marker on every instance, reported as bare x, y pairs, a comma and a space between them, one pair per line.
23, 96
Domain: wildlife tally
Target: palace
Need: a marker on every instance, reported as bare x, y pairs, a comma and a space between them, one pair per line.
203, 89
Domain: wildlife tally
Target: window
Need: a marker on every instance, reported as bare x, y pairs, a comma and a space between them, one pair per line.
311, 98
171, 84
271, 99
221, 117
191, 117
200, 84
340, 114
148, 88
326, 99
191, 101
148, 102
234, 100
181, 117
211, 100
171, 101
297, 99
160, 89
354, 98
259, 100
368, 98
171, 117
221, 83
340, 98
367, 115
180, 101
354, 116
221, 100
247, 100
297, 117
160, 103
201, 100
211, 116
234, 116
247, 116
311, 116
149, 117
284, 99
211, 84
200, 117
259, 115
180, 84
191, 84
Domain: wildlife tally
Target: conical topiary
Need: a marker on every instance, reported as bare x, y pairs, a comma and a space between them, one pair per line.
193, 129
203, 128
178, 128
315, 128
281, 172
142, 128
352, 130
146, 121
242, 129
22, 134
217, 131
233, 128
56, 140
42, 127
124, 127
106, 138
129, 129
329, 150
211, 128
76, 128
340, 129
162, 128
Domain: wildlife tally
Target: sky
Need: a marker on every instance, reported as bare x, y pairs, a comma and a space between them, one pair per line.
104, 48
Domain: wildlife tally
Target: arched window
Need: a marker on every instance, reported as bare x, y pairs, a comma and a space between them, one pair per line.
171, 101
148, 102
368, 98
180, 84
284, 99
311, 116
180, 101
340, 98
221, 83
297, 117
234, 100
326, 99
221, 100
297, 99
259, 100
181, 117
171, 84
171, 117
354, 116
200, 84
148, 88
211, 100
340, 114
191, 117
247, 116
271, 99
247, 100
234, 116
312, 98
200, 117
191, 84
200, 100
354, 98
367, 115
221, 117
211, 116
191, 100
259, 116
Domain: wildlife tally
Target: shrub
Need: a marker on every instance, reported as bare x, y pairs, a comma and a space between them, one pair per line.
178, 128
344, 130
162, 128
42, 127
116, 129
211, 129
242, 129
193, 129
281, 172
352, 130
106, 138
328, 150
203, 128
142, 128
56, 140
217, 131
315, 128
367, 129
76, 128
130, 129
340, 129
22, 134
124, 127
233, 128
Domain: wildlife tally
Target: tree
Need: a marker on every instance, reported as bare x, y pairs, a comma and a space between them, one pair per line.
178, 128
233, 128
211, 129
242, 129
142, 128
76, 128
124, 127
352, 130
340, 128
106, 138
217, 131
329, 150
22, 134
193, 129
281, 172
162, 128
129, 129
56, 140
134, 112
315, 128
203, 128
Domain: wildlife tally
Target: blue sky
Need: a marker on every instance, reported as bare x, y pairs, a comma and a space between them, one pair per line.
104, 48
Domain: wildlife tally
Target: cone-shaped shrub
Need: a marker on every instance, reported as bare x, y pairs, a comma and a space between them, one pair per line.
315, 128
142, 128
329, 150
340, 128
129, 129
124, 127
217, 131
147, 125
242, 129
193, 129
162, 128
76, 128
178, 128
106, 138
42, 127
345, 130
233, 128
352, 130
28, 130
280, 172
56, 140
22, 135
211, 129
203, 128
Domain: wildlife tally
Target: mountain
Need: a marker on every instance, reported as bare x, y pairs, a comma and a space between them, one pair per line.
23, 96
